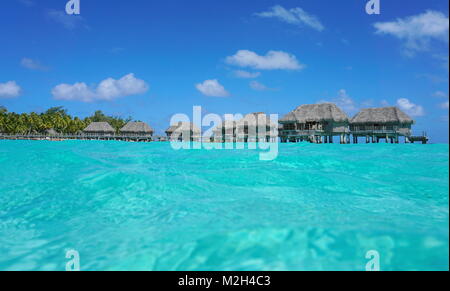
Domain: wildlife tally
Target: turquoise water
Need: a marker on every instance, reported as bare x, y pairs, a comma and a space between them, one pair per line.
136, 206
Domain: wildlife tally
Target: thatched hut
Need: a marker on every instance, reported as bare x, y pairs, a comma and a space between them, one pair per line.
315, 123
137, 129
225, 132
256, 127
51, 132
183, 131
99, 129
381, 123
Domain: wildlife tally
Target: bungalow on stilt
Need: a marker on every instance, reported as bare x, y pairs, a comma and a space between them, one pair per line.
316, 123
183, 131
256, 127
99, 130
137, 131
387, 123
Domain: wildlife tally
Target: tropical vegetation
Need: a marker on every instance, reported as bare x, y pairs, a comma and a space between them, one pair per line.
55, 118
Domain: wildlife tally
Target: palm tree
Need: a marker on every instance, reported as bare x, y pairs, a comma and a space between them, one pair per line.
55, 118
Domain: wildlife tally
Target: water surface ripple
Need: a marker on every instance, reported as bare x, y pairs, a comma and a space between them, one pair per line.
140, 206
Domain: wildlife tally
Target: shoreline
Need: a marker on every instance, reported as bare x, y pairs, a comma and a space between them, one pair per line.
134, 140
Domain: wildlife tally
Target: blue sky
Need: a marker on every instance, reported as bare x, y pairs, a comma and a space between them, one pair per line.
152, 59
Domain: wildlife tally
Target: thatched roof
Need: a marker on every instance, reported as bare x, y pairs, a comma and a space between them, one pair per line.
183, 126
316, 113
382, 115
136, 127
51, 132
99, 127
226, 124
256, 119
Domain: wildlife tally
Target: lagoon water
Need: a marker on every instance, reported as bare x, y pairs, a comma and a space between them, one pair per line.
140, 206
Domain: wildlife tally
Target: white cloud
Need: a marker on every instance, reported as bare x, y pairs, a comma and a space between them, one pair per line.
417, 31
117, 50
367, 103
10, 90
443, 59
296, 16
410, 108
75, 92
107, 90
344, 101
246, 75
257, 86
273, 60
440, 94
28, 3
444, 105
68, 21
212, 88
33, 64
437, 79
345, 41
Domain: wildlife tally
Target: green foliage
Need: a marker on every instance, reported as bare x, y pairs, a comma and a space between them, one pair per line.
56, 110
55, 118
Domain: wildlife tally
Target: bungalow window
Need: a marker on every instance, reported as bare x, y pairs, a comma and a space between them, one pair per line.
321, 126
289, 126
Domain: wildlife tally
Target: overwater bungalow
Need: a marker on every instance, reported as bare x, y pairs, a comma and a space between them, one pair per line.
99, 129
183, 131
387, 123
137, 129
317, 123
254, 127
225, 132
51, 132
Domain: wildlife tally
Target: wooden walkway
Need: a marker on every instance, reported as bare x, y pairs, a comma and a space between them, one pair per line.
422, 139
375, 139
79, 137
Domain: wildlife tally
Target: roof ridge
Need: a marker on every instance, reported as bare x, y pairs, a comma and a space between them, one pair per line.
396, 113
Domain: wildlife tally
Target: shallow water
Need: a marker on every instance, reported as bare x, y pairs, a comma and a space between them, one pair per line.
136, 206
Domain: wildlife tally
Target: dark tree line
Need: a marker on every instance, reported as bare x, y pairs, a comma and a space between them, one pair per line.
55, 118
